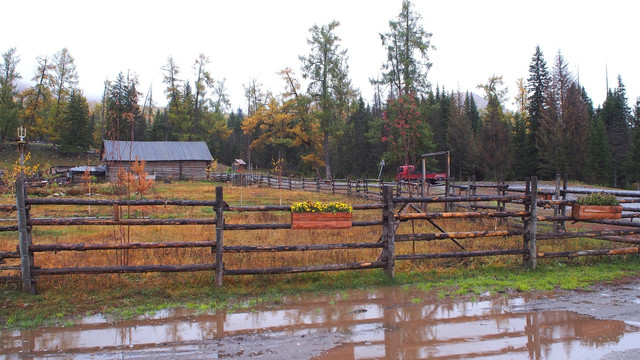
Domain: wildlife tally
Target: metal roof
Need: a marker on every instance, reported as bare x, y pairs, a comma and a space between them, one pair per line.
92, 169
155, 150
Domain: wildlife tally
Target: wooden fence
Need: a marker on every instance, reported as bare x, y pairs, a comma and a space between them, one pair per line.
368, 189
522, 206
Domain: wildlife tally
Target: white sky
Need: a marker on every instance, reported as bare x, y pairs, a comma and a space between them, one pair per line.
248, 39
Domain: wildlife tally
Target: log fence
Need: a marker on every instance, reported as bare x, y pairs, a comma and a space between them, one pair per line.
520, 209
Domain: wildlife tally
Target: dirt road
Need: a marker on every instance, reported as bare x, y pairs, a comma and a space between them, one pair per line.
388, 323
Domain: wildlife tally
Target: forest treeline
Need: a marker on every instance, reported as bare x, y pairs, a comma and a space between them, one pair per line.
326, 129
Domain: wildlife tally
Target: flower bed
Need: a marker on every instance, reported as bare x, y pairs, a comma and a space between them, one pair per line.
318, 215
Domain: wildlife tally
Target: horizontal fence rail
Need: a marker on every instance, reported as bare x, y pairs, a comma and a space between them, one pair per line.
524, 209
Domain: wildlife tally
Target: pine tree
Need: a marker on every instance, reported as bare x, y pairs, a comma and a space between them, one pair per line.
471, 113
599, 154
329, 86
123, 110
634, 156
537, 85
494, 139
75, 130
461, 139
405, 72
616, 116
521, 166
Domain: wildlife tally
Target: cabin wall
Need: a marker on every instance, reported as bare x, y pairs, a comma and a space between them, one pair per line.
164, 170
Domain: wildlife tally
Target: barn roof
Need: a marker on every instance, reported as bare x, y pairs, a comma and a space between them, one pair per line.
155, 150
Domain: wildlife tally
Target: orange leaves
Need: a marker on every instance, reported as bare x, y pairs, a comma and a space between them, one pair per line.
138, 179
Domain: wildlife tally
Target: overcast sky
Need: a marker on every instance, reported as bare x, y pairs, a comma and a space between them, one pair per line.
248, 39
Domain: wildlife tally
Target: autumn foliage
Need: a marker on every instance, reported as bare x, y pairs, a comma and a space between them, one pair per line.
405, 129
137, 180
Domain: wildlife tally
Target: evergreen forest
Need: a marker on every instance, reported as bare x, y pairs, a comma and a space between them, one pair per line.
320, 125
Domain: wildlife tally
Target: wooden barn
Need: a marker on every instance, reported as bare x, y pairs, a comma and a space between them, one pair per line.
165, 159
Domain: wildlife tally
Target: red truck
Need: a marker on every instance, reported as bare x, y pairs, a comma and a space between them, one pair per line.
410, 173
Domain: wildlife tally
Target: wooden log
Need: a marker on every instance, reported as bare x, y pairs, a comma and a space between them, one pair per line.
312, 247
367, 206
9, 228
260, 208
458, 235
10, 255
459, 215
461, 254
620, 239
304, 269
111, 202
123, 269
115, 246
426, 199
107, 221
8, 208
578, 234
614, 222
257, 226
7, 279
599, 252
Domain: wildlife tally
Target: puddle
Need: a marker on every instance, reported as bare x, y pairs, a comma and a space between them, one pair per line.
382, 324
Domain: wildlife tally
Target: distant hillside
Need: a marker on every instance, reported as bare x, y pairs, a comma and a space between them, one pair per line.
481, 102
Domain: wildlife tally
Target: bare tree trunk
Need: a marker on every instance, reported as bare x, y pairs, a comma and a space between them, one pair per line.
327, 163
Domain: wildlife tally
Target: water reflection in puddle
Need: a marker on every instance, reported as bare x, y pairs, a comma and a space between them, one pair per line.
382, 324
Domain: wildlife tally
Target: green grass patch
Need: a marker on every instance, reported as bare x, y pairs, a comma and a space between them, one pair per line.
56, 305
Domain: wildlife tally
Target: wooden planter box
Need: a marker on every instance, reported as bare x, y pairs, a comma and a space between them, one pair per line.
340, 220
596, 212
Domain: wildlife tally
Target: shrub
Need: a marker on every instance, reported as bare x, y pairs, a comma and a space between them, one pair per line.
598, 199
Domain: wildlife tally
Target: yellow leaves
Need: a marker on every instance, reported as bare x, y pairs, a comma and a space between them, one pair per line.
11, 175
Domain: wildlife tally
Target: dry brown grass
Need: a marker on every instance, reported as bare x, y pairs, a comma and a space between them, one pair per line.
239, 196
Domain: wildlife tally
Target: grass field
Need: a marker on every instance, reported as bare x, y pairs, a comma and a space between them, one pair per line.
45, 155
61, 297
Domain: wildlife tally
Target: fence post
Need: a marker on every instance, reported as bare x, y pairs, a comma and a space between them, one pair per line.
219, 235
348, 187
556, 207
388, 230
468, 192
26, 258
563, 207
366, 189
530, 260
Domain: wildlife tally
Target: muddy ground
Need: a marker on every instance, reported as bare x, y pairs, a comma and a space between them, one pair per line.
615, 301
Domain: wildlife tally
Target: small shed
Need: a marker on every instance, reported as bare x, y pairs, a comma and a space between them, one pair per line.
238, 165
75, 173
165, 159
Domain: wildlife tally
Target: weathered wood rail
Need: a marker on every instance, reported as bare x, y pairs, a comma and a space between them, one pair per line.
368, 189
523, 207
